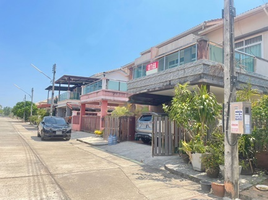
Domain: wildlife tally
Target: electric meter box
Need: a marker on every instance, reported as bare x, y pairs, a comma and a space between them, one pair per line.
240, 116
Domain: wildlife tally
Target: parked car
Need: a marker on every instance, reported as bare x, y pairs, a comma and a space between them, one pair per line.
54, 127
144, 127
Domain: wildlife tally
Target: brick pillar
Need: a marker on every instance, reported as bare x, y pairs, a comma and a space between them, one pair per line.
104, 106
82, 112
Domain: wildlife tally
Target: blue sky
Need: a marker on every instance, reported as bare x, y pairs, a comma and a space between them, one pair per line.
85, 37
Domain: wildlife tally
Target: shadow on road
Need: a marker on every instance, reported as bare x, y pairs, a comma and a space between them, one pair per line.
30, 127
38, 139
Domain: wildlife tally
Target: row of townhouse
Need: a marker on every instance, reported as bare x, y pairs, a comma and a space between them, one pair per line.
194, 56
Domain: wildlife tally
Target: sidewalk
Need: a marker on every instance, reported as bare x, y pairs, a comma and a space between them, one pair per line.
142, 154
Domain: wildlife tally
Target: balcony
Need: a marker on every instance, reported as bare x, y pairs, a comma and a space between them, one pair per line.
106, 84
196, 65
69, 95
105, 89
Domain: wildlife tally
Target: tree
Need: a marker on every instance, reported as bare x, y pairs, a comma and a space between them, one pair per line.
7, 111
194, 111
247, 93
120, 111
21, 107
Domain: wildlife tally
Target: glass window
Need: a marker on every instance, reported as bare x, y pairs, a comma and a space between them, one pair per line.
251, 46
239, 44
161, 64
123, 86
139, 71
254, 50
113, 85
215, 53
253, 40
188, 55
172, 60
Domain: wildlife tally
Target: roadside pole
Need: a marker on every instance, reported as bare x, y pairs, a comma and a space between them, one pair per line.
32, 102
24, 118
231, 176
53, 83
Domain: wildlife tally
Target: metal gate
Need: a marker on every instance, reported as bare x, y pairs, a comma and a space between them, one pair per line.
166, 137
90, 123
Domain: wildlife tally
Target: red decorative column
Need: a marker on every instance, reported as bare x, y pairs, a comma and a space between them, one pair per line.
104, 106
82, 112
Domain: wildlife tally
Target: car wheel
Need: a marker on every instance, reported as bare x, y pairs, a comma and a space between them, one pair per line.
145, 141
38, 134
42, 136
67, 139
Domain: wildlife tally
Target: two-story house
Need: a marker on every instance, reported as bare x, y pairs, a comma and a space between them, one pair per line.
196, 56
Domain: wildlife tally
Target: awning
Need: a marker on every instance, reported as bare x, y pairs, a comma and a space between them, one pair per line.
149, 99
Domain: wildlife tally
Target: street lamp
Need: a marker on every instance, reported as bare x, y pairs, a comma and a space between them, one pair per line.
29, 95
53, 83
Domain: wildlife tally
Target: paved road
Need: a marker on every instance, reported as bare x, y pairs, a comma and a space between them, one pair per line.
35, 169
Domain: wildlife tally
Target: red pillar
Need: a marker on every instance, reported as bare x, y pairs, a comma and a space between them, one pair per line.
82, 112
103, 113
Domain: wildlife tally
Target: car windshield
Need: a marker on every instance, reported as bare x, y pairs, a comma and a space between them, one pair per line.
146, 118
58, 121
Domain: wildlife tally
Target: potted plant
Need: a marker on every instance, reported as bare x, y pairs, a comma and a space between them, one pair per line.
186, 147
246, 154
198, 149
195, 149
260, 131
215, 154
210, 161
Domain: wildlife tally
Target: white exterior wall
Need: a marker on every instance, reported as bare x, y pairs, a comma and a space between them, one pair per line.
144, 58
178, 43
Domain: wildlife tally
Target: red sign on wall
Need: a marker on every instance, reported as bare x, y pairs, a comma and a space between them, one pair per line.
152, 68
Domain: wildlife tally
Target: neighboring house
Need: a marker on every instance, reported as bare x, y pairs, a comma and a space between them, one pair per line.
196, 56
69, 100
106, 93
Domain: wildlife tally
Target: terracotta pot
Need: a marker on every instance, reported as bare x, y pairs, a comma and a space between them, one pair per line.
218, 189
212, 172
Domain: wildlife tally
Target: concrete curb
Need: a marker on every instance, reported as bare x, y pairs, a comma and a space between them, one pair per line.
93, 143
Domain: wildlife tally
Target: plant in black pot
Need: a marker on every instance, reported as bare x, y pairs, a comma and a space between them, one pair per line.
260, 131
214, 156
246, 153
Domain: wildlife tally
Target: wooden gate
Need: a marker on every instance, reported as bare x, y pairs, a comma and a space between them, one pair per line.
127, 128
111, 127
90, 123
166, 137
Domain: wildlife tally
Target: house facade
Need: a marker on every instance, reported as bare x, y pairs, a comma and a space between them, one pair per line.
103, 95
196, 57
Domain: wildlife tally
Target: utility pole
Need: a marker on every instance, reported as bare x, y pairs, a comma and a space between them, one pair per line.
231, 172
32, 102
53, 83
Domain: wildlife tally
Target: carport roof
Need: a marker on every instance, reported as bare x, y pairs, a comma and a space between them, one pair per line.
75, 80
149, 99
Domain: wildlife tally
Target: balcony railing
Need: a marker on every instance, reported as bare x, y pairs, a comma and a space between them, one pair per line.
110, 85
116, 85
69, 95
191, 53
242, 60
97, 85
